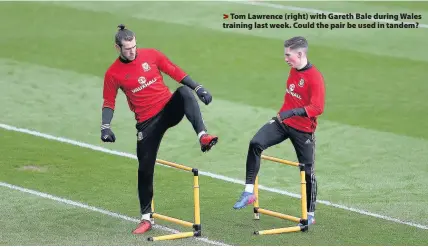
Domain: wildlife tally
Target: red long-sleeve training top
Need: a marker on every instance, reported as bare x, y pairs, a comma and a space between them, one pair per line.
304, 88
142, 82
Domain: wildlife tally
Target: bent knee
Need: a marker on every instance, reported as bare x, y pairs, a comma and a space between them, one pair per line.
256, 144
185, 91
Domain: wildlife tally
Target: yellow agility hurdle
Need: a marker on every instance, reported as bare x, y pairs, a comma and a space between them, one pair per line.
196, 225
304, 217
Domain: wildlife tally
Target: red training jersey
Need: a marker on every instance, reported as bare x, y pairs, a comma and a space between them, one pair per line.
304, 88
142, 82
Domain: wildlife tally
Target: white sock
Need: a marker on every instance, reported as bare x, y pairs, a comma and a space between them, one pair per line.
311, 214
145, 217
200, 134
249, 188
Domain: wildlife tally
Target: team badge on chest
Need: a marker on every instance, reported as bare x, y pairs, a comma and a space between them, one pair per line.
301, 83
146, 67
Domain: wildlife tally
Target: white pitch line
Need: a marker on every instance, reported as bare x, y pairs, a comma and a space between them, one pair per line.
102, 211
315, 11
208, 174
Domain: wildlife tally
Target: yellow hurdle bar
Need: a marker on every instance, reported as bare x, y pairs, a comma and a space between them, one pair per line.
304, 216
278, 215
171, 219
167, 163
284, 162
173, 236
197, 210
279, 230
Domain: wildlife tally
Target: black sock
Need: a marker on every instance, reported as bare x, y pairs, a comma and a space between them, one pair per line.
311, 188
145, 192
253, 162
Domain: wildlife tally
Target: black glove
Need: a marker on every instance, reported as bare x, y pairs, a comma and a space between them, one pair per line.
106, 134
290, 113
203, 94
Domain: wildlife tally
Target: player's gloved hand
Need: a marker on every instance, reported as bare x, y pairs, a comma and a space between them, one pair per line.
106, 134
203, 94
290, 113
285, 114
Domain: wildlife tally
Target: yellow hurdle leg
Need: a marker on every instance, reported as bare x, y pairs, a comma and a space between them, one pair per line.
197, 215
279, 230
303, 199
172, 236
256, 203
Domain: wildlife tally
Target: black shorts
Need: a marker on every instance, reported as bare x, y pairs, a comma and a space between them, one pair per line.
304, 144
168, 117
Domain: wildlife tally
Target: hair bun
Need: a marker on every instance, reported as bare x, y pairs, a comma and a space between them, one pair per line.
121, 27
